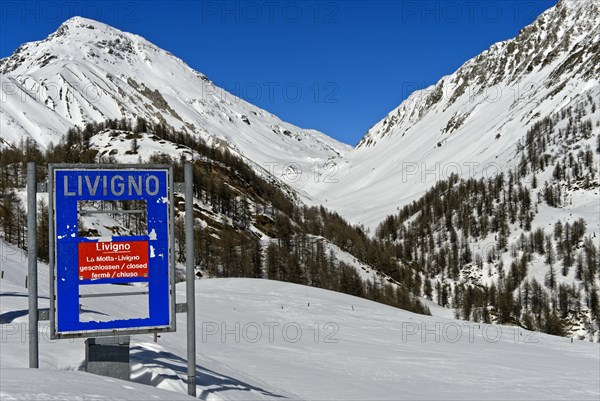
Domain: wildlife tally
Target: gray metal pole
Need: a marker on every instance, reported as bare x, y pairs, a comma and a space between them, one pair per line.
190, 279
51, 249
32, 267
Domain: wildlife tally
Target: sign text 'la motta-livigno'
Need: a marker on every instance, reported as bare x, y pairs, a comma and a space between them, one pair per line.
98, 260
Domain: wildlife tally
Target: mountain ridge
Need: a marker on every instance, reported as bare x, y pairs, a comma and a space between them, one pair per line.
506, 48
520, 78
88, 71
472, 119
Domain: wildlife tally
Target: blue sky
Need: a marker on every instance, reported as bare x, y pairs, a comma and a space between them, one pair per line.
335, 66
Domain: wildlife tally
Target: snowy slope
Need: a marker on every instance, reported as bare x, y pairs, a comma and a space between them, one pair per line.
260, 339
469, 122
88, 71
43, 385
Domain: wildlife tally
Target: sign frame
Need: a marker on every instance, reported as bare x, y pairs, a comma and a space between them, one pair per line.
122, 328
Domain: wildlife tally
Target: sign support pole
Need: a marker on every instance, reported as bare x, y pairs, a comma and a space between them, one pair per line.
32, 265
51, 249
190, 279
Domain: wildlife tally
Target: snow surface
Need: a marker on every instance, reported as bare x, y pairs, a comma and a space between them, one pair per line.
45, 385
260, 339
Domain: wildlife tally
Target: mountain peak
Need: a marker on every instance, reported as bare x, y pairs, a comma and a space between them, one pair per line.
78, 21
88, 71
561, 41
77, 39
78, 24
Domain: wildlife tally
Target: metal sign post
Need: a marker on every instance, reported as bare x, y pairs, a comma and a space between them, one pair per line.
32, 265
190, 279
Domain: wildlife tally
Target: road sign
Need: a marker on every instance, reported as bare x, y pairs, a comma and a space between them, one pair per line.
98, 261
127, 259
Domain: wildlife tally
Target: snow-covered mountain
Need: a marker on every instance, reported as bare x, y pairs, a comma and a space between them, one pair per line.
88, 71
470, 122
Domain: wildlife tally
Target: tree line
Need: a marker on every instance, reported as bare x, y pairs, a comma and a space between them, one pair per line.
232, 202
459, 234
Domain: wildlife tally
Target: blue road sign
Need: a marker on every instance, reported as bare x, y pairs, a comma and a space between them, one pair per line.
81, 260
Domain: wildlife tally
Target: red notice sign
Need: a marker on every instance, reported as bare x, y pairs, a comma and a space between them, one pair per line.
101, 260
